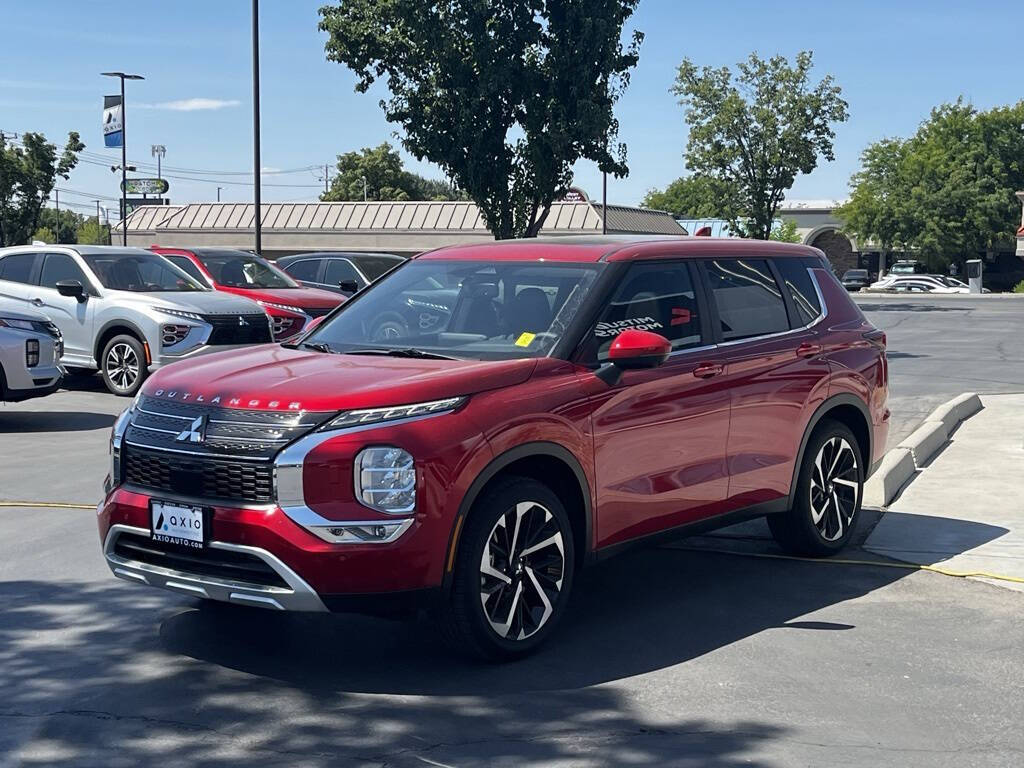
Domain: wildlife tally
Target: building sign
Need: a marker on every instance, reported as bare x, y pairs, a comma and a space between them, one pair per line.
574, 195
145, 186
113, 121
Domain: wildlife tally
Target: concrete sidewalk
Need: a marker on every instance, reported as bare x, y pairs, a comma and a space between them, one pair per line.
965, 510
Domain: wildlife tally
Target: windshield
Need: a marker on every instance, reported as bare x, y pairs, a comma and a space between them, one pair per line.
855, 273
238, 269
375, 267
462, 309
139, 273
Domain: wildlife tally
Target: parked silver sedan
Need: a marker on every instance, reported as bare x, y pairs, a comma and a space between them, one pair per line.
30, 350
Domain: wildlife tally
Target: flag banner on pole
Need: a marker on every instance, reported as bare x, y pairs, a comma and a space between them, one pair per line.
113, 121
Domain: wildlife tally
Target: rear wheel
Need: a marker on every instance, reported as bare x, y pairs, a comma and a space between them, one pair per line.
827, 497
123, 364
513, 574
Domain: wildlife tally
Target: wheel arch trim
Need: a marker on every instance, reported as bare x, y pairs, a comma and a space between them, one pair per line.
820, 413
494, 468
121, 323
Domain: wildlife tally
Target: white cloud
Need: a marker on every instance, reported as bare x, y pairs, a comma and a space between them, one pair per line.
192, 105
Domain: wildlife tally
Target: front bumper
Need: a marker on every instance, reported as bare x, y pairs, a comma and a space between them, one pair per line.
165, 357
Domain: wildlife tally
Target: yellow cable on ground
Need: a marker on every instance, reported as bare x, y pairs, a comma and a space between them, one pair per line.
879, 563
46, 505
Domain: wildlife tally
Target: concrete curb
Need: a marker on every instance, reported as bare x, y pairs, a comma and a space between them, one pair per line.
900, 464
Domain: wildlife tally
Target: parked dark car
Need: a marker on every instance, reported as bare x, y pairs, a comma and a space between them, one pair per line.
855, 279
339, 271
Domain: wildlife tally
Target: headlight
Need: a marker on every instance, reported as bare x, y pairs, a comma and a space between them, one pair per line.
13, 322
385, 480
284, 307
182, 313
393, 413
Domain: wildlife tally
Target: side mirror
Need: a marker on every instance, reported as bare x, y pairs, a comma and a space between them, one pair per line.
633, 350
71, 288
349, 286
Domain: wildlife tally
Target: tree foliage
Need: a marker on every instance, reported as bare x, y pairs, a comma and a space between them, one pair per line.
66, 228
386, 178
688, 197
503, 95
92, 232
785, 231
948, 191
28, 173
756, 130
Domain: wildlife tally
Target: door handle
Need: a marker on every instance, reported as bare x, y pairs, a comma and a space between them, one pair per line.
807, 350
707, 370
36, 302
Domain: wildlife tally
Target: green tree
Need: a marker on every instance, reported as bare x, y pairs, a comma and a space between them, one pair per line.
503, 95
66, 228
689, 197
28, 172
947, 192
755, 131
386, 178
44, 235
92, 232
878, 209
785, 232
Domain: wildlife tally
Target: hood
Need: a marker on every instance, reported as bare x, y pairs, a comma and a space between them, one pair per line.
21, 314
303, 298
203, 302
271, 377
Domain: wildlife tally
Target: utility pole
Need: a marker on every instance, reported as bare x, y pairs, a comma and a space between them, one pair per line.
218, 193
124, 151
158, 151
363, 179
327, 179
56, 200
604, 203
256, 122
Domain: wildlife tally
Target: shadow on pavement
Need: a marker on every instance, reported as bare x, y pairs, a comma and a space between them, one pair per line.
893, 307
53, 421
121, 675
929, 539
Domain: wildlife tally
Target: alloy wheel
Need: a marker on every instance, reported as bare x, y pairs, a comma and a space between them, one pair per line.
835, 488
521, 570
122, 366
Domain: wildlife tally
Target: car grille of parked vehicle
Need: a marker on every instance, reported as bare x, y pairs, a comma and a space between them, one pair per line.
208, 452
286, 326
218, 563
238, 329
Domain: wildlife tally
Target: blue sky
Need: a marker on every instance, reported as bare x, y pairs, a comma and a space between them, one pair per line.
894, 61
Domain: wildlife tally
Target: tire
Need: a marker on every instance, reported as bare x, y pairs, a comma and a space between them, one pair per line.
123, 364
389, 326
527, 597
827, 497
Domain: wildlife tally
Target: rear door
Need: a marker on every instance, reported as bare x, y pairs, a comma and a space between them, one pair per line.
766, 311
17, 273
659, 434
343, 270
74, 318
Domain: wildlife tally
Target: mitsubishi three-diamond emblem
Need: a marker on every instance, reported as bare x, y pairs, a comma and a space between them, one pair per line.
196, 433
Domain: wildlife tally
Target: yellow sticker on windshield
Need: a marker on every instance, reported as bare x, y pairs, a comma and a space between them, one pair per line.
525, 339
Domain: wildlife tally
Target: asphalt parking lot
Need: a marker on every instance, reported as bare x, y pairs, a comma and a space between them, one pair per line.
672, 656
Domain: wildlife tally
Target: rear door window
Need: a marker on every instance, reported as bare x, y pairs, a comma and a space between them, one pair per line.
17, 267
748, 298
185, 264
339, 270
653, 296
800, 287
305, 270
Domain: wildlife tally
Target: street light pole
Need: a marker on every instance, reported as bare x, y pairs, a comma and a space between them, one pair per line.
256, 122
363, 179
218, 193
158, 151
56, 201
124, 151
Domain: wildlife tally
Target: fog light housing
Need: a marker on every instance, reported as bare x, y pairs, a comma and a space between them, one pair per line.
32, 353
385, 480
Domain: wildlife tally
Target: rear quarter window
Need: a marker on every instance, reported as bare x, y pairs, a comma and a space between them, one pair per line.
799, 285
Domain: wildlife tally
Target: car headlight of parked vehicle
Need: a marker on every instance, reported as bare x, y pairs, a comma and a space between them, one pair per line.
367, 416
13, 322
385, 480
182, 313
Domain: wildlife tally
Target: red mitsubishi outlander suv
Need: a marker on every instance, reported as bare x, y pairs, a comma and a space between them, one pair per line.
290, 305
554, 401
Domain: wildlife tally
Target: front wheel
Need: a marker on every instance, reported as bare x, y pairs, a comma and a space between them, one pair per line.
513, 574
123, 364
827, 497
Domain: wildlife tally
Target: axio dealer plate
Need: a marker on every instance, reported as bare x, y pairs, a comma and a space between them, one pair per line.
177, 523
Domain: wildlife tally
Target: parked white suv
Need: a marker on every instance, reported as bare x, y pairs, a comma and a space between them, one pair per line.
30, 348
125, 311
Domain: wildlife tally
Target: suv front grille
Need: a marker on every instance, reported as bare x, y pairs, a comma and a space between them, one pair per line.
214, 479
216, 563
238, 329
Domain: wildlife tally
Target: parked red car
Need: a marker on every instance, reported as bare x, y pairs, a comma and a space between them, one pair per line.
290, 304
580, 396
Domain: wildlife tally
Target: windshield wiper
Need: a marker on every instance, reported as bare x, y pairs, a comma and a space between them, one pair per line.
316, 346
413, 352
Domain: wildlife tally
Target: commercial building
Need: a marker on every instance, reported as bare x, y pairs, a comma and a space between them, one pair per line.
404, 228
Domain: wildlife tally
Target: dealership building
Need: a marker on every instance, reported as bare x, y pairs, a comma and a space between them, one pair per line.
404, 228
